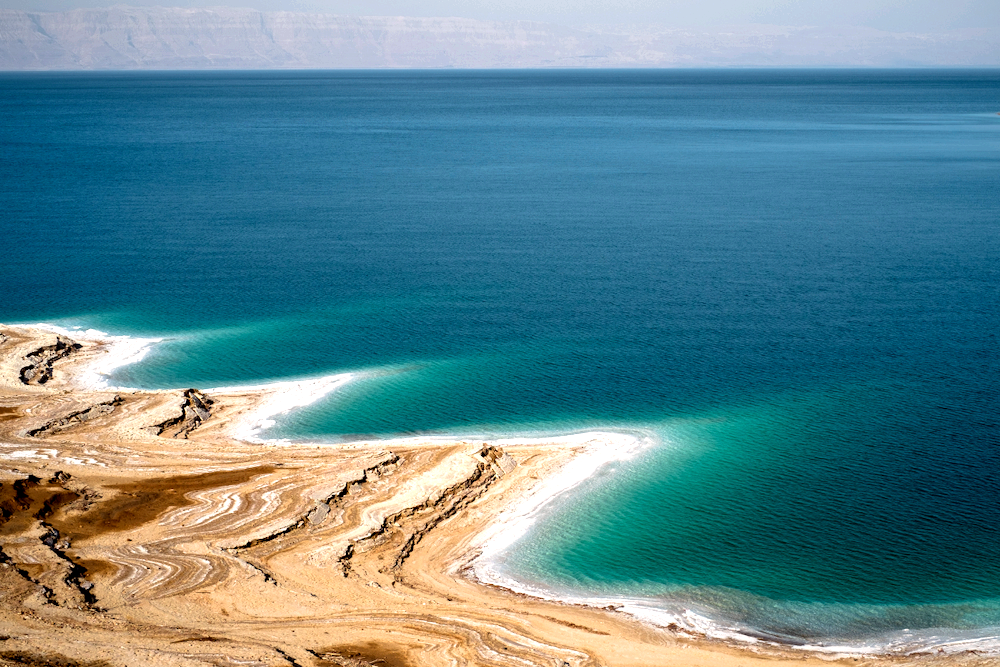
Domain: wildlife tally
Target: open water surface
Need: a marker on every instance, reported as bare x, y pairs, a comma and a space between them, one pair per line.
790, 278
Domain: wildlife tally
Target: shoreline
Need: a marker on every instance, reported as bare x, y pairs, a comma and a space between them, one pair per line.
122, 350
278, 398
497, 511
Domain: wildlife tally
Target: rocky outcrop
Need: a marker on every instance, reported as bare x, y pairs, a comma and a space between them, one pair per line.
499, 460
321, 511
41, 361
197, 407
424, 518
403, 530
75, 418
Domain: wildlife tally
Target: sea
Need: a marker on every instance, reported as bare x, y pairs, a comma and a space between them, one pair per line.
784, 283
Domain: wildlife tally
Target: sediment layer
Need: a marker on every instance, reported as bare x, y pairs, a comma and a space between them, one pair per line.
135, 530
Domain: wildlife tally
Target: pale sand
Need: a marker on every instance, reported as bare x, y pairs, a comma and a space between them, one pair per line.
215, 550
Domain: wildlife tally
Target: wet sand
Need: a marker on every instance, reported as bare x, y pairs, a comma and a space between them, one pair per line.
136, 529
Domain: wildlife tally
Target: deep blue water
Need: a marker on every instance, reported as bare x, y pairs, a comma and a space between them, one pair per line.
791, 278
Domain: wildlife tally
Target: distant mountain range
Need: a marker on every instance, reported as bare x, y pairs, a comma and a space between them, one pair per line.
225, 38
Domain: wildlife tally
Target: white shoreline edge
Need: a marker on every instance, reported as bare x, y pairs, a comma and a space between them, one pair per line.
599, 449
123, 350
602, 448
281, 398
119, 351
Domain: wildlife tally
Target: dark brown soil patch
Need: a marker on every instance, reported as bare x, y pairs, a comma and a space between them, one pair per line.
33, 570
374, 654
24, 501
9, 413
139, 503
50, 660
96, 568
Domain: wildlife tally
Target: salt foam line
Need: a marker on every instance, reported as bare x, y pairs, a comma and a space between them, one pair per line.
599, 449
279, 398
118, 351
511, 525
687, 620
680, 619
283, 396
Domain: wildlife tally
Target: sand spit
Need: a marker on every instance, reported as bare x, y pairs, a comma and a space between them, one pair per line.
136, 529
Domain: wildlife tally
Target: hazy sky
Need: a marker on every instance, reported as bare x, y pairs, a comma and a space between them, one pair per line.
895, 15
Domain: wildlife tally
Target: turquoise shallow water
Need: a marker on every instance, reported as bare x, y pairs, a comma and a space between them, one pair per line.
789, 278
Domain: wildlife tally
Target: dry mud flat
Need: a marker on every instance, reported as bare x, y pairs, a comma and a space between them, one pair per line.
135, 530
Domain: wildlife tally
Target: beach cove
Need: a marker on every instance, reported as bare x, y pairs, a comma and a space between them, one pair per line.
137, 528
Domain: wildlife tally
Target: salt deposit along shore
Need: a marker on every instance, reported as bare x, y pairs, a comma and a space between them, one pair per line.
150, 528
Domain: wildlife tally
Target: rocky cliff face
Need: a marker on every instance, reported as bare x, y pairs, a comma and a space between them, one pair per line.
223, 38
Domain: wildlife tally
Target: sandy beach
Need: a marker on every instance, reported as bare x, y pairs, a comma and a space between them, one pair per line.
154, 528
